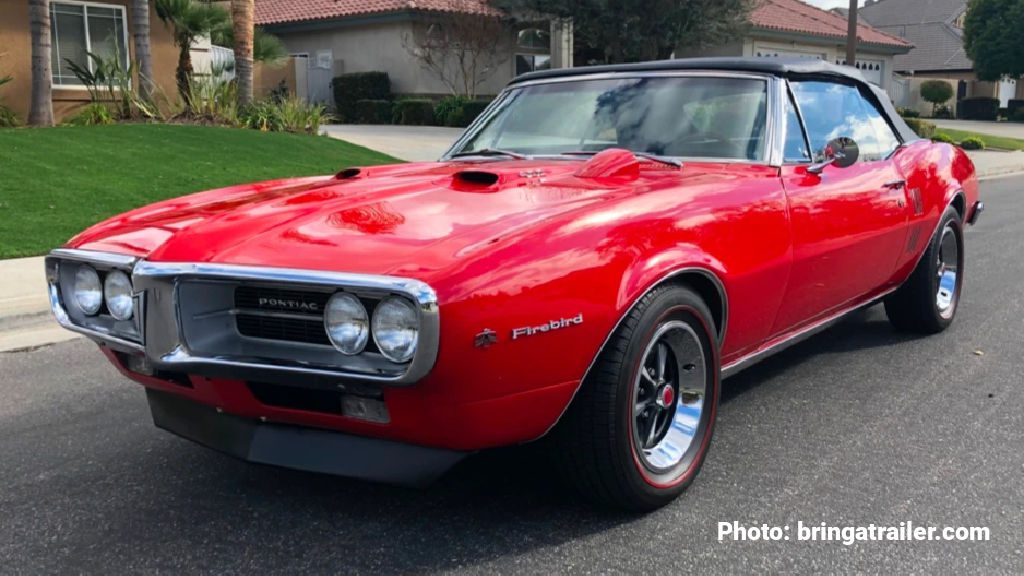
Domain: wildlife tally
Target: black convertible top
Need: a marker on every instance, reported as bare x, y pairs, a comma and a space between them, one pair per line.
776, 66
783, 67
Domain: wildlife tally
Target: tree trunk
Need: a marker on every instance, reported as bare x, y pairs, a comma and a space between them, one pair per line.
41, 113
242, 17
184, 73
143, 54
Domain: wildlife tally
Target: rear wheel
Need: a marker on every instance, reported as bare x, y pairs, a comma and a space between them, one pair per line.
638, 431
927, 301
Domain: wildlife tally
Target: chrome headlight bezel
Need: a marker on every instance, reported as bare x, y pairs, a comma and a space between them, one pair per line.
342, 308
396, 329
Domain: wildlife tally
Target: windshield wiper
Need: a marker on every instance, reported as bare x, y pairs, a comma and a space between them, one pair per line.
490, 152
668, 160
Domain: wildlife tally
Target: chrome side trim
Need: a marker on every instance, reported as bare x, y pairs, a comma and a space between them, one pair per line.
721, 329
799, 336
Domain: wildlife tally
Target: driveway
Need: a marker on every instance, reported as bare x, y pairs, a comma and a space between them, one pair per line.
856, 426
411, 143
1003, 129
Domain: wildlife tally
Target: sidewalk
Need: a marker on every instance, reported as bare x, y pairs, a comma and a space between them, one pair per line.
26, 322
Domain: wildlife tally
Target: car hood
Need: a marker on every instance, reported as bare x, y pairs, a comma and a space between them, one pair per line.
412, 220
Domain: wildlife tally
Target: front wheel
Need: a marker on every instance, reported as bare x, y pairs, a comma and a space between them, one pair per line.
927, 301
637, 433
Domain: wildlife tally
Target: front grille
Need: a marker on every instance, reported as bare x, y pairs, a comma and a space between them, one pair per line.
286, 329
256, 318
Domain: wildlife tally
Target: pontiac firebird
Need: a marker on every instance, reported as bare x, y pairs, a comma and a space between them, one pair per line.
584, 265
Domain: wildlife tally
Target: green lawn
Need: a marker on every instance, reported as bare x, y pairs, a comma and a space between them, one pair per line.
54, 182
997, 142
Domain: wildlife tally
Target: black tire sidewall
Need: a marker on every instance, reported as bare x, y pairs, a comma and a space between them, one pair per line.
674, 304
950, 216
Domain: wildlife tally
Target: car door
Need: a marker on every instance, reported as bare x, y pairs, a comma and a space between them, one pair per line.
848, 224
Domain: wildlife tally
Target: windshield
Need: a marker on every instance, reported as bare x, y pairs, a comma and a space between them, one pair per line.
690, 117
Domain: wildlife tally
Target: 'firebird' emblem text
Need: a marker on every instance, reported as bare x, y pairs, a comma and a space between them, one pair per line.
283, 304
550, 326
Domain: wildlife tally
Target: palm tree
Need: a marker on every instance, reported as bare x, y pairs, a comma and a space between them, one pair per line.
242, 16
143, 54
188, 20
41, 113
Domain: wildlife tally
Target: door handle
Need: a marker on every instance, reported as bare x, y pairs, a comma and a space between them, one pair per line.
897, 184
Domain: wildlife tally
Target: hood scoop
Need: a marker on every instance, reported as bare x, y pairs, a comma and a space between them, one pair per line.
349, 173
475, 181
611, 163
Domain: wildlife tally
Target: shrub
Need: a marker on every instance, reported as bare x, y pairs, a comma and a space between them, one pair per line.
940, 137
473, 109
351, 88
980, 108
942, 112
1017, 115
93, 114
1004, 112
936, 91
289, 115
922, 128
973, 143
1013, 106
448, 111
414, 112
213, 99
7, 117
373, 112
908, 112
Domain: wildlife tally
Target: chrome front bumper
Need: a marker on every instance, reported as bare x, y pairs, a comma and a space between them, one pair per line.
183, 322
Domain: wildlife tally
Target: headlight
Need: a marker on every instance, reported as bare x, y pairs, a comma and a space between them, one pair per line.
118, 290
347, 323
88, 290
396, 328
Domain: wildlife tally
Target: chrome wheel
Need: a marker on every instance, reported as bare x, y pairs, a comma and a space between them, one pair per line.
947, 268
669, 393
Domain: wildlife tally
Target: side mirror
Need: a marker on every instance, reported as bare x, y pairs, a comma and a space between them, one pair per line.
840, 152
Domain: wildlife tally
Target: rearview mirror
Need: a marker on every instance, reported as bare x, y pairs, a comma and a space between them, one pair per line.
840, 152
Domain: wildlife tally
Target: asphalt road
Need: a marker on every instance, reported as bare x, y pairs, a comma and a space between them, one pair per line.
859, 425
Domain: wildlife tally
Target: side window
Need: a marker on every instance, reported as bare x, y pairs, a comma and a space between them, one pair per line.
796, 145
832, 110
887, 140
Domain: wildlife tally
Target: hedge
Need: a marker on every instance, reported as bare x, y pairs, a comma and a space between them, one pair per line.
457, 111
414, 112
373, 111
351, 88
979, 108
973, 143
922, 128
1013, 106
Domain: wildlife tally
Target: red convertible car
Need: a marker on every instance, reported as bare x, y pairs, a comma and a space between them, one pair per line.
584, 265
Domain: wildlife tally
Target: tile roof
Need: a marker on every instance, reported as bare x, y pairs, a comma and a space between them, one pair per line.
795, 16
282, 11
897, 12
928, 24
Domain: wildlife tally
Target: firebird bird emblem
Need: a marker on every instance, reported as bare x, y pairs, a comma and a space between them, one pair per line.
549, 327
486, 338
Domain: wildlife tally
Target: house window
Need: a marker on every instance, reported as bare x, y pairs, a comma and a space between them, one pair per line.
534, 38
532, 62
78, 29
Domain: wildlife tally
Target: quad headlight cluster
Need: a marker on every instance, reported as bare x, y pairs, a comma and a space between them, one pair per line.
395, 326
115, 291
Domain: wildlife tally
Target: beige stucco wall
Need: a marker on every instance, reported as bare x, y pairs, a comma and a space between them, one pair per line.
16, 48
382, 46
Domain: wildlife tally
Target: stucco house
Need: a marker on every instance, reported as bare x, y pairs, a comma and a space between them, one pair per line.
794, 29
102, 27
380, 35
935, 27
